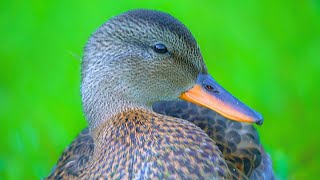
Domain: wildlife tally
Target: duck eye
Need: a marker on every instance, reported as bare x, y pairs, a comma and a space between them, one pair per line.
160, 48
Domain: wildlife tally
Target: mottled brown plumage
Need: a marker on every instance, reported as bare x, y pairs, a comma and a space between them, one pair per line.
238, 142
122, 76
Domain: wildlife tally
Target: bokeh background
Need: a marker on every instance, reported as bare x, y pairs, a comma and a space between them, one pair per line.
267, 53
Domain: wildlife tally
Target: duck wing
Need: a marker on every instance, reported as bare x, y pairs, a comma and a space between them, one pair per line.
74, 157
238, 142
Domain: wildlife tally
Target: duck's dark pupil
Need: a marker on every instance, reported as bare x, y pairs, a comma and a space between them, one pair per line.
160, 48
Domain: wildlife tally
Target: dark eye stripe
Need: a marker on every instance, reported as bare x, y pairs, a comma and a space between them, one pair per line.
160, 48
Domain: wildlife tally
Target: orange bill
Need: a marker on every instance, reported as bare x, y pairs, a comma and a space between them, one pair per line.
208, 93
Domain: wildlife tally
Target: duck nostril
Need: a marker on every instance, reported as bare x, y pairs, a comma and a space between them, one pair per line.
210, 88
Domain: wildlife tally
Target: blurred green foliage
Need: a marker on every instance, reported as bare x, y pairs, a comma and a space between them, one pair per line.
266, 53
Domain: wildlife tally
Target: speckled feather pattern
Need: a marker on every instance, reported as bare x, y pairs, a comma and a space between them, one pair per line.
239, 143
141, 145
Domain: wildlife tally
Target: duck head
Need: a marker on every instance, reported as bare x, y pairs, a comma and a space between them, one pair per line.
143, 56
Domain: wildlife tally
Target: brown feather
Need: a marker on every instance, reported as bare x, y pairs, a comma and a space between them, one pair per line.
238, 142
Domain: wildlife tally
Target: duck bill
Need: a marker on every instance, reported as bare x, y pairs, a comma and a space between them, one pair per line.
208, 93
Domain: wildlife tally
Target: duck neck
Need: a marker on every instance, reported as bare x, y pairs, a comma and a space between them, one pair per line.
132, 126
101, 104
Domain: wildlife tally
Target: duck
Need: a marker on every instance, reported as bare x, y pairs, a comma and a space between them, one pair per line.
154, 111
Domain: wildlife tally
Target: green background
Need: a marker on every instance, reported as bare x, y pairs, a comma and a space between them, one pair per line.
267, 53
